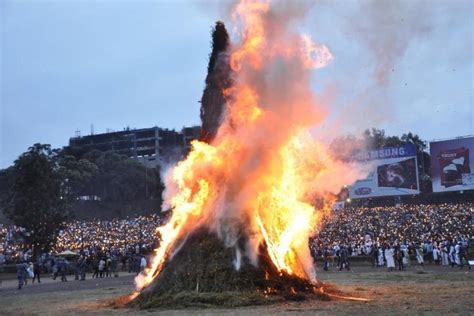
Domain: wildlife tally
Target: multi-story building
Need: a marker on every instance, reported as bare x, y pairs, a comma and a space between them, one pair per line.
150, 146
189, 134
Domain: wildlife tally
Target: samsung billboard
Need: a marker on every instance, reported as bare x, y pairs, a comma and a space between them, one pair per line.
393, 171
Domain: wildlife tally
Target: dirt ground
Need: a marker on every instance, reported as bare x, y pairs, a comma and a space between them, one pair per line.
430, 291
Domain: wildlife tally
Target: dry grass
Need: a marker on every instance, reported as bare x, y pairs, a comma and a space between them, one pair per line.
439, 291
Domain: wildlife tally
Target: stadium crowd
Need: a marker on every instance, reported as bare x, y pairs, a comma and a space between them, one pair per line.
118, 236
390, 235
387, 235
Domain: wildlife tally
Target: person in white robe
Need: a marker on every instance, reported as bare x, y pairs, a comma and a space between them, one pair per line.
456, 253
444, 254
452, 255
381, 255
436, 255
419, 254
406, 256
389, 253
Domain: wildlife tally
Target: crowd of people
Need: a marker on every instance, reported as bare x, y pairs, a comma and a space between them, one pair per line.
118, 236
388, 236
391, 235
100, 264
102, 248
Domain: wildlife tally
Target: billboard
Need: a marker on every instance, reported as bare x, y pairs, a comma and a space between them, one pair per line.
452, 164
393, 171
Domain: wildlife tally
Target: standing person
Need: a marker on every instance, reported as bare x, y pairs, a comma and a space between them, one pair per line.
429, 251
137, 259
457, 250
55, 264
452, 254
95, 266
381, 260
389, 254
131, 263
37, 270
81, 268
404, 250
337, 252
399, 255
101, 267
108, 266
444, 254
143, 264
419, 254
463, 257
436, 255
77, 272
344, 260
326, 258
124, 262
375, 256
21, 272
30, 270
63, 270
114, 266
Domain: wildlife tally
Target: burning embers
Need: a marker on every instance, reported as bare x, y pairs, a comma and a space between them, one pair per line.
255, 183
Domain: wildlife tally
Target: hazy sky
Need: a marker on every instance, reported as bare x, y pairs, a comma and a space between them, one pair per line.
402, 66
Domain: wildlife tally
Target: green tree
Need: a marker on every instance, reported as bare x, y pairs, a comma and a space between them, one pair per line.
375, 138
122, 179
35, 201
6, 183
76, 176
347, 147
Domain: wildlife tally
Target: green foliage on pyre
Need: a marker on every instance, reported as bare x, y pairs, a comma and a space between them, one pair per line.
202, 274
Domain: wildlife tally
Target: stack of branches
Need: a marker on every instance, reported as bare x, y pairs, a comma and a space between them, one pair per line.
202, 274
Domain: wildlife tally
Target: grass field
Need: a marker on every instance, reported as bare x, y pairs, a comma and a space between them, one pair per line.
429, 291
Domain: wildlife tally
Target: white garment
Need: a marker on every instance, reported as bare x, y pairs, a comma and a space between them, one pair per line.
381, 261
456, 255
389, 257
419, 255
101, 265
30, 272
435, 254
143, 262
405, 257
452, 255
444, 257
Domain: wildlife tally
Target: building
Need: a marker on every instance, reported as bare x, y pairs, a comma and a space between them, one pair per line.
190, 134
150, 146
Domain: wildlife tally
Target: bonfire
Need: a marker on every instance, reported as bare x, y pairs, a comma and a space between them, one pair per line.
244, 199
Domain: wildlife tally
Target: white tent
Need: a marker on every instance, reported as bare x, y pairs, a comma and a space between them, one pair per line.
67, 253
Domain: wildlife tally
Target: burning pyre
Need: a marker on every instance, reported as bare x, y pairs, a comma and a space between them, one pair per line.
246, 192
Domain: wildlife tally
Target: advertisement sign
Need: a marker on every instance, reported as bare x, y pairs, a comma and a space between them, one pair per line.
393, 171
452, 164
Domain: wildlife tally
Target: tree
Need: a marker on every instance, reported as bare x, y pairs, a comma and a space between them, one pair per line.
76, 176
375, 138
121, 179
348, 146
6, 183
35, 201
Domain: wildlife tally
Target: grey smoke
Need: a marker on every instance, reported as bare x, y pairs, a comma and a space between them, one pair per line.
387, 28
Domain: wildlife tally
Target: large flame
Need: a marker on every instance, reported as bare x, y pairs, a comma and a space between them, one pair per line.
260, 176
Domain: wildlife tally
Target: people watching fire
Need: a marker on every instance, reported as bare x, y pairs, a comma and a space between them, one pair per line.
438, 233
425, 232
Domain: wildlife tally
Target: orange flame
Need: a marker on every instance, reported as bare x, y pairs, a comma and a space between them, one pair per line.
264, 168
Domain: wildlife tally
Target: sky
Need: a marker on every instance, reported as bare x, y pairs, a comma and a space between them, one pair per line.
69, 65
